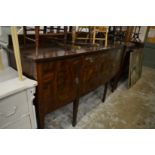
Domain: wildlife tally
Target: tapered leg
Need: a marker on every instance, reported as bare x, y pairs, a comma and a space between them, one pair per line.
105, 92
75, 111
24, 34
45, 29
65, 36
40, 121
114, 83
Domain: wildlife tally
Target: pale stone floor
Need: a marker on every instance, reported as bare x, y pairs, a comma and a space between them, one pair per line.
132, 108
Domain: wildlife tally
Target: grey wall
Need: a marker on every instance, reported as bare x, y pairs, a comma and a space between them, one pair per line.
4, 31
149, 56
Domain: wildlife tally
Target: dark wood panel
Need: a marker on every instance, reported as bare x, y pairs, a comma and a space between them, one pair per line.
115, 58
89, 73
67, 80
105, 67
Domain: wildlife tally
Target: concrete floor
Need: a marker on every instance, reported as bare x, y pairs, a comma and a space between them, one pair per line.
132, 108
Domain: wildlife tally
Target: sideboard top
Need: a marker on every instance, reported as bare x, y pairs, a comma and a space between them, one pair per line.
54, 53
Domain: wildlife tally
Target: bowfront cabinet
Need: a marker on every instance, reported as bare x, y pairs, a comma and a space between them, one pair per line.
64, 78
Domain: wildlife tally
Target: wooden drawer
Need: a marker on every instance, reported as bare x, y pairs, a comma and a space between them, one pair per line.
12, 108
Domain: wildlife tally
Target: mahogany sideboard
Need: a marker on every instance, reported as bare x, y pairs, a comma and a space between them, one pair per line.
65, 75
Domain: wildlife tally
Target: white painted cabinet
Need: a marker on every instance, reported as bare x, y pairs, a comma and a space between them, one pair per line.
16, 101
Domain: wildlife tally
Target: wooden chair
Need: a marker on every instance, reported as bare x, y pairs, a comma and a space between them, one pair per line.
100, 33
82, 34
120, 34
54, 29
136, 34
36, 31
128, 36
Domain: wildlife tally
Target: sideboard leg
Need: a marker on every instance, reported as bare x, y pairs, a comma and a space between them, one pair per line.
105, 92
40, 121
75, 111
115, 86
41, 125
114, 83
112, 86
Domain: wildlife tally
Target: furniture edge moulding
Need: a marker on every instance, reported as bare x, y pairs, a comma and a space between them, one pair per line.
31, 96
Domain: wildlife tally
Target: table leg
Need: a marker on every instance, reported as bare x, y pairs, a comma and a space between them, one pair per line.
105, 92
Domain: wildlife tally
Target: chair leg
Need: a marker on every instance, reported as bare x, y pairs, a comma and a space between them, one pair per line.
75, 111
105, 92
94, 36
37, 38
45, 30
106, 39
24, 34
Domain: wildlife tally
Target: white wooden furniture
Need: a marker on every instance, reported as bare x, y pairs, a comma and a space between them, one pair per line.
16, 101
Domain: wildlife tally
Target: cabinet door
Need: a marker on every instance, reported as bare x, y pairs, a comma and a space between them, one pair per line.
115, 60
58, 81
105, 72
89, 73
46, 90
67, 80
119, 59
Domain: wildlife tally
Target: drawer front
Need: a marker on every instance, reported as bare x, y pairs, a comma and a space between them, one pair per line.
13, 107
23, 123
58, 82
